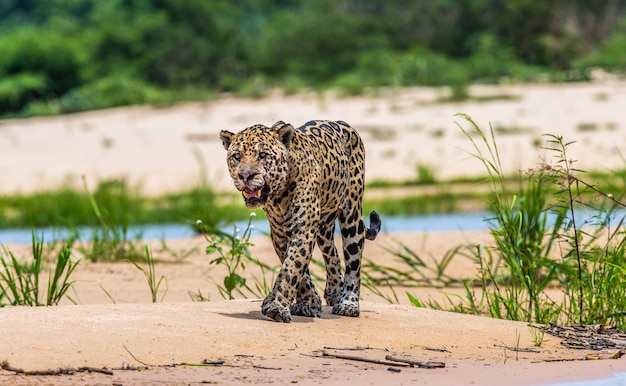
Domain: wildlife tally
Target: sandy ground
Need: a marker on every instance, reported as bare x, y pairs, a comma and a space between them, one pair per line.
168, 149
115, 325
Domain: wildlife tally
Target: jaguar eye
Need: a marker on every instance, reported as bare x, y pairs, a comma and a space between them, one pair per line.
262, 155
236, 157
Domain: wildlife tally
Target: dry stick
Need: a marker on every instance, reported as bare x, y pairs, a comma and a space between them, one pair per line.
519, 349
90, 369
362, 359
266, 368
435, 349
423, 365
357, 348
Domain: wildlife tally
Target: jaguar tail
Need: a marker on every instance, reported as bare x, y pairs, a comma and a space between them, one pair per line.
374, 228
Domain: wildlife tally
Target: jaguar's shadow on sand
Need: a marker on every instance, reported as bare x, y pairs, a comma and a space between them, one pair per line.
258, 315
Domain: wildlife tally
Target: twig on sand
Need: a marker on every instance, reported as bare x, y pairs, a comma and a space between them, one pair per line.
357, 348
363, 359
412, 363
134, 357
518, 349
60, 371
437, 349
205, 363
91, 369
266, 368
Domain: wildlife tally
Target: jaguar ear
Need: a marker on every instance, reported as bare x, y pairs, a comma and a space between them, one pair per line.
277, 125
285, 133
226, 137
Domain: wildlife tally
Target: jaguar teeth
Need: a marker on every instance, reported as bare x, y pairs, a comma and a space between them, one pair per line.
247, 193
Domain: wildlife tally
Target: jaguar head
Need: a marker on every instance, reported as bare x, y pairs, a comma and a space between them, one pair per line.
257, 159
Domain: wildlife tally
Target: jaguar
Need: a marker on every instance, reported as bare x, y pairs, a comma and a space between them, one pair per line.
305, 179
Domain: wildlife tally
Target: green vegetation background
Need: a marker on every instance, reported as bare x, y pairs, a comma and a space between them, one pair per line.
61, 56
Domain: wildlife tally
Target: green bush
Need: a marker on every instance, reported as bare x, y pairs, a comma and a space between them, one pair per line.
117, 90
610, 55
419, 66
35, 63
17, 90
59, 56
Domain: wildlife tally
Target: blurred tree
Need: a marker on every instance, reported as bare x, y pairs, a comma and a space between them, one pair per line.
33, 67
91, 54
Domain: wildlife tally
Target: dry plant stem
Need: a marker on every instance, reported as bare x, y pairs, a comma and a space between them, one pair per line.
576, 243
135, 358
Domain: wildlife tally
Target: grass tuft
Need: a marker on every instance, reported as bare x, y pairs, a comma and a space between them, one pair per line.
20, 281
555, 233
150, 273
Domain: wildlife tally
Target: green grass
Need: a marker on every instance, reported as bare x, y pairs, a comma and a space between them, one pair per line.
583, 259
233, 253
126, 206
150, 274
20, 283
119, 203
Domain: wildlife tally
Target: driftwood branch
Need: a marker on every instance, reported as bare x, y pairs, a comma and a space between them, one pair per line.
363, 359
60, 371
412, 363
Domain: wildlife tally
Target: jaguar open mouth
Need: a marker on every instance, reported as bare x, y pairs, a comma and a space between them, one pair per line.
255, 198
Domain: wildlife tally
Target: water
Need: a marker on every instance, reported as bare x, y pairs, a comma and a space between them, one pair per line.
391, 224
473, 221
618, 379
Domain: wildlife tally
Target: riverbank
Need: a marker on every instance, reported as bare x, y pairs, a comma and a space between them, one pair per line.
115, 326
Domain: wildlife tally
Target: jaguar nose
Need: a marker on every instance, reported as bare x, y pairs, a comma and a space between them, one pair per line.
246, 176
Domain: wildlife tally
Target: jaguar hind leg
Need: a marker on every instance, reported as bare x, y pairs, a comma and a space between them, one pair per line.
334, 273
353, 232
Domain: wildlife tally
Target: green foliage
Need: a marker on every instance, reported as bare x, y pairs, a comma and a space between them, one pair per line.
523, 241
109, 92
425, 175
440, 202
16, 90
418, 66
119, 204
333, 36
150, 274
544, 241
585, 258
110, 241
233, 253
20, 281
33, 67
63, 56
609, 55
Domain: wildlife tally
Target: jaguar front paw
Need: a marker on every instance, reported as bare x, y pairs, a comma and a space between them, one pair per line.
273, 309
347, 308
